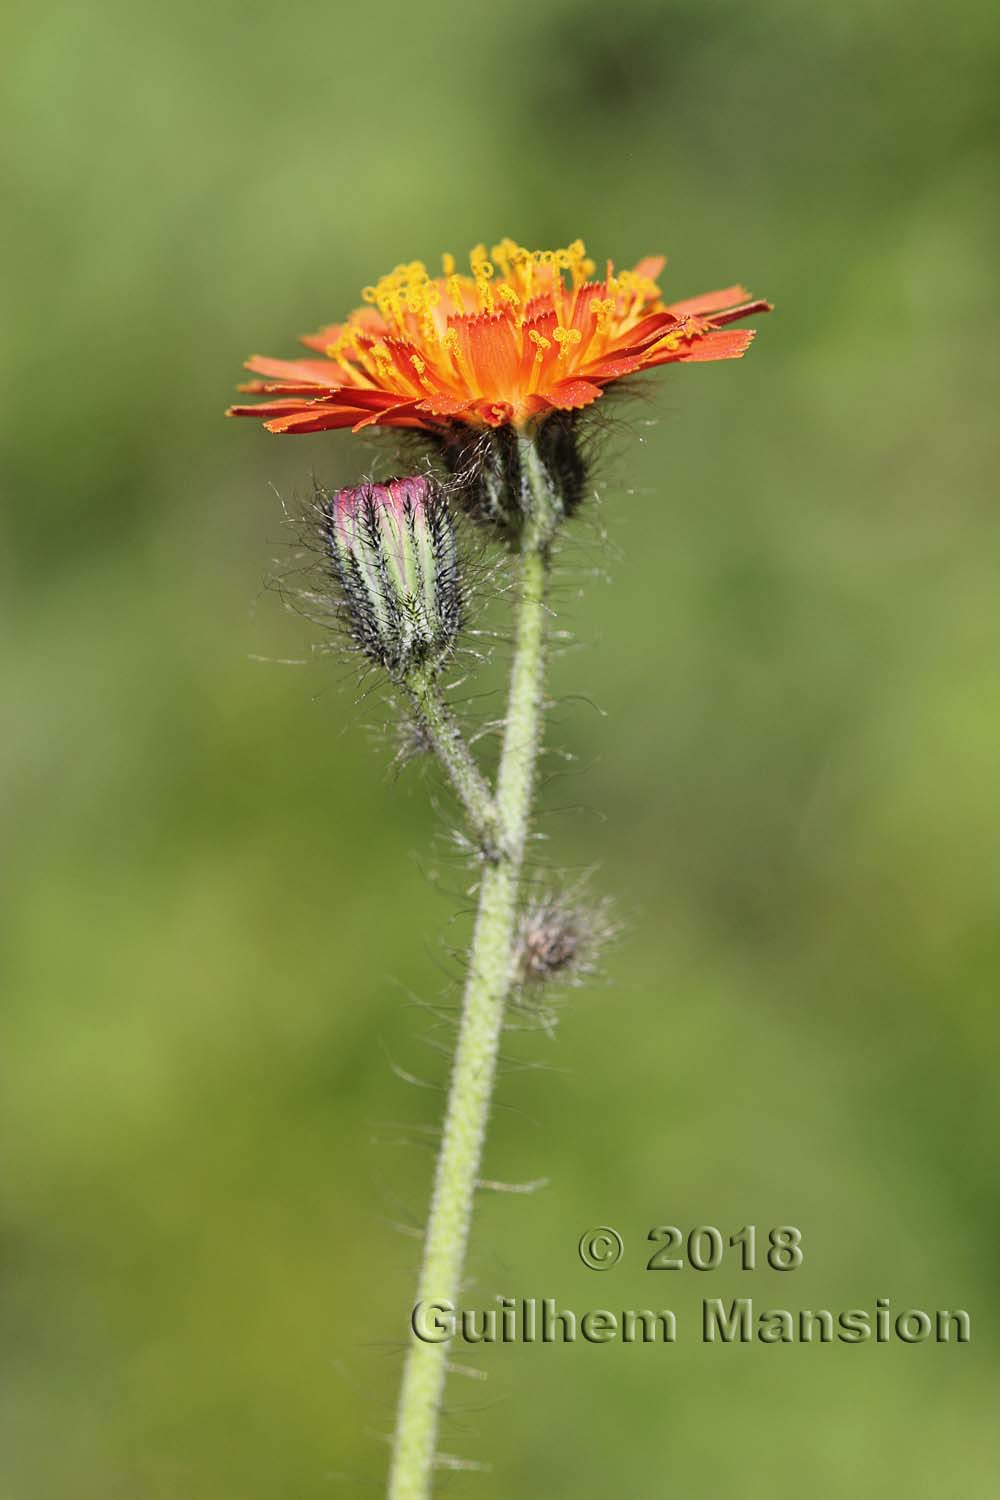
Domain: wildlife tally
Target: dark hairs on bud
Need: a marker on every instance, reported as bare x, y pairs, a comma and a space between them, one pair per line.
392, 551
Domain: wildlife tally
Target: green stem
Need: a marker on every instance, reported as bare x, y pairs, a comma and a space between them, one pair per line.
466, 779
486, 989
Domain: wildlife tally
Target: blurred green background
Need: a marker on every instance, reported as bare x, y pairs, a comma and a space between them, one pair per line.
220, 907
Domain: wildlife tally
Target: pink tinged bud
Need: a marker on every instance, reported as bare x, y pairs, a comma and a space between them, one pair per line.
393, 552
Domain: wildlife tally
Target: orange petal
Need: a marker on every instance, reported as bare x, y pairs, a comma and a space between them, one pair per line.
323, 337
270, 408
322, 372
614, 366
321, 417
494, 352
441, 405
544, 324
651, 266
391, 414
745, 310
729, 344
647, 332
710, 301
267, 388
316, 419
401, 352
366, 318
569, 395
583, 317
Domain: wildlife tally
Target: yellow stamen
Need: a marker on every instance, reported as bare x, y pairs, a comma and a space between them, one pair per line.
416, 307
384, 362
602, 308
452, 343
502, 255
483, 271
564, 337
455, 292
338, 351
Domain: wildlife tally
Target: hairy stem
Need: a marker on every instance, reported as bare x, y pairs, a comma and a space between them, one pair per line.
486, 989
467, 781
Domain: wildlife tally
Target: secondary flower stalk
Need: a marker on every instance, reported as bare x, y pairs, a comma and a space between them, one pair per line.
393, 553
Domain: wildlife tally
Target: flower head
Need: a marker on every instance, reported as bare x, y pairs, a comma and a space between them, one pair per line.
393, 552
527, 333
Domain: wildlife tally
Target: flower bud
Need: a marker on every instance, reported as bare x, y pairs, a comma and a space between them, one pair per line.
393, 552
560, 937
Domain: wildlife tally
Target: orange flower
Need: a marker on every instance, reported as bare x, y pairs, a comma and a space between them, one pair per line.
525, 334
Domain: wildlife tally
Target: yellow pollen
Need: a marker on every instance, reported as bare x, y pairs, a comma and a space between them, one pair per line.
455, 293
338, 349
381, 355
580, 266
415, 308
483, 271
564, 337
502, 255
602, 308
451, 342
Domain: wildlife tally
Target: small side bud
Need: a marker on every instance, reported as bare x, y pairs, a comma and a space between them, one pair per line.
561, 939
393, 552
413, 740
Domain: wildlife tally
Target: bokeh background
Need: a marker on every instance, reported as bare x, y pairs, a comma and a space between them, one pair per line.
222, 913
